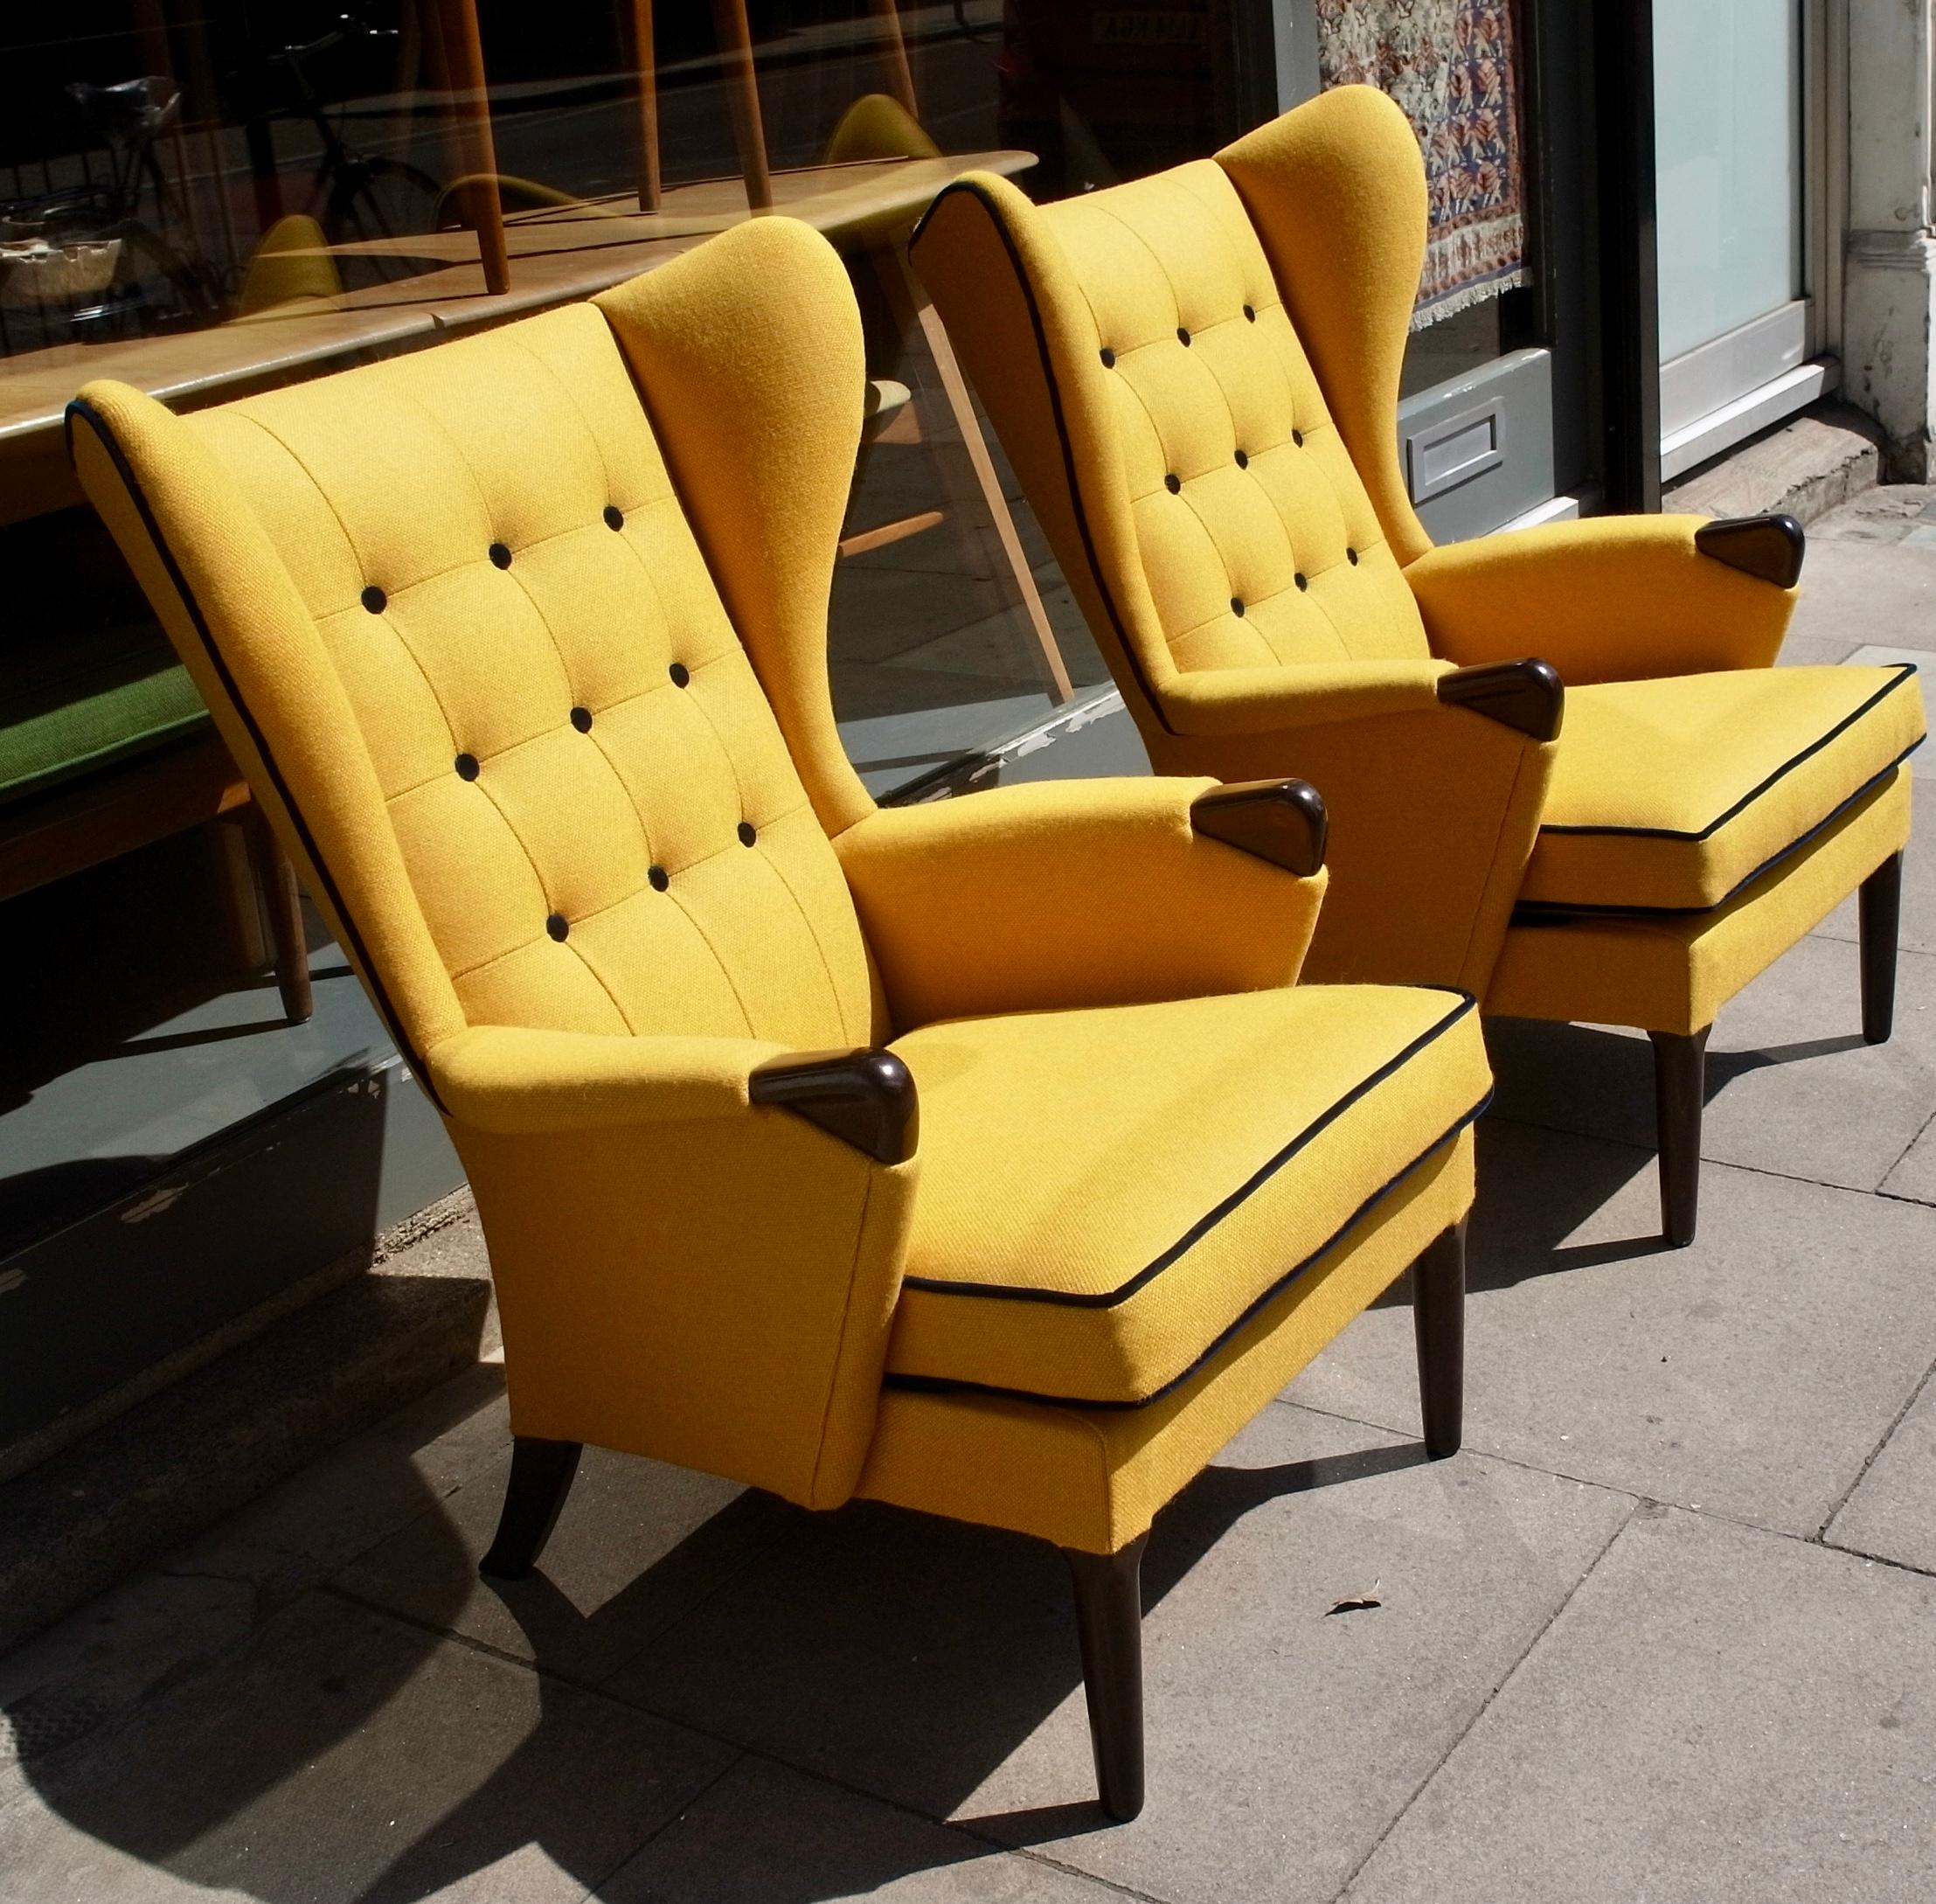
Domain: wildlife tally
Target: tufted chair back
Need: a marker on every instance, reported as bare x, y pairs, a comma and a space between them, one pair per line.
1197, 378
455, 606
1258, 541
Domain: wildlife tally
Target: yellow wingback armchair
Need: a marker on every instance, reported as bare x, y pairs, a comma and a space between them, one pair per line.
1196, 376
521, 641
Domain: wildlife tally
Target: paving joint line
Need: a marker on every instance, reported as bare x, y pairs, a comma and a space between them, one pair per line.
1492, 1698
659, 1831
1815, 1539
1719, 1163
1862, 1473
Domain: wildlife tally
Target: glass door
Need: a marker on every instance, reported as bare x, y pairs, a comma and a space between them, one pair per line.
1730, 160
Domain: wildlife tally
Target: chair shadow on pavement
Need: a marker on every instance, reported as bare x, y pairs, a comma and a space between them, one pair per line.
897, 1653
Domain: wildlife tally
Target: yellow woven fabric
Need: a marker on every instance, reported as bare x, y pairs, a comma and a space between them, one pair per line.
472, 682
512, 740
1257, 542
521, 643
1674, 971
1673, 794
1613, 598
1094, 1478
1061, 895
1102, 1200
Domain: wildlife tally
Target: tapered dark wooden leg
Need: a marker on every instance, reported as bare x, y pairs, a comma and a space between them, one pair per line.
1109, 1623
1881, 906
1439, 1323
275, 880
541, 1477
1680, 1095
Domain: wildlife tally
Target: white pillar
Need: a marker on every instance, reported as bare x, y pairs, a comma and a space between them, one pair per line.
1888, 341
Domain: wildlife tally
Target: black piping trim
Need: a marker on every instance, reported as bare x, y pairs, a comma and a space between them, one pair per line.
941, 1385
1557, 912
1904, 669
365, 964
1204, 1224
1130, 660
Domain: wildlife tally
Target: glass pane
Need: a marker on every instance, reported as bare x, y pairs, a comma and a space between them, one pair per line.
1727, 80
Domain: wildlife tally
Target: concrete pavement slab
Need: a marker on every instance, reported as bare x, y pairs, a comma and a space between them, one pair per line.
769, 1835
167, 1625
1752, 1374
1915, 1177
1791, 1087
936, 1666
346, 1756
1866, 592
1893, 1512
1718, 1714
637, 1544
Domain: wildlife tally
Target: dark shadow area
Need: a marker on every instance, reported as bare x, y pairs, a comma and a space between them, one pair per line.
945, 1645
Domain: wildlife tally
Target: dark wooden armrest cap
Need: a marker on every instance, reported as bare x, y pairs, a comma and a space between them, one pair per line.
1527, 696
864, 1098
1281, 820
1768, 547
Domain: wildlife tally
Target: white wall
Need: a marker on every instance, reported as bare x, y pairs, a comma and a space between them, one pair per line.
1889, 366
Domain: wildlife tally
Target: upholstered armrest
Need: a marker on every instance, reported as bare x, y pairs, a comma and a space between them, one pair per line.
1615, 598
1069, 894
696, 1242
518, 1081
1267, 700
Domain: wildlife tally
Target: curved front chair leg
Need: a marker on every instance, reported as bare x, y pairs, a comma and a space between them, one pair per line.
1439, 1323
1881, 906
1108, 1588
1680, 1095
540, 1478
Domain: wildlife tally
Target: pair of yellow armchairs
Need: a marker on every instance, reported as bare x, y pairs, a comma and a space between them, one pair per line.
985, 1157
1561, 770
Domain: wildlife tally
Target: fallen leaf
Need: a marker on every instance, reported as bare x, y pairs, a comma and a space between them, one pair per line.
1358, 1603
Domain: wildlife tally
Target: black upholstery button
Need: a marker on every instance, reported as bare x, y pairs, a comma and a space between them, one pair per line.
680, 674
1250, 314
1302, 579
375, 599
1236, 606
1182, 336
1297, 437
658, 878
1108, 358
1173, 483
467, 766
747, 836
1243, 460
558, 926
581, 719
500, 555
1351, 556
615, 516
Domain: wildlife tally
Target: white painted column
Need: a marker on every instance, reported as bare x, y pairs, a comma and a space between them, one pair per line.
1889, 294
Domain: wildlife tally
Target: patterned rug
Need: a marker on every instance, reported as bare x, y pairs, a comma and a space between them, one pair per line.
1450, 64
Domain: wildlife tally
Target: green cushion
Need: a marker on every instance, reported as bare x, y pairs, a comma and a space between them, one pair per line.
71, 703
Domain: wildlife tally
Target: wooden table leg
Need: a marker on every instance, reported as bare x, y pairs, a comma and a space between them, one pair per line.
743, 94
275, 880
901, 75
644, 52
911, 304
463, 59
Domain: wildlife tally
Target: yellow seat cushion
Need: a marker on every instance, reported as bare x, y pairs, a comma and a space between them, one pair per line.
1669, 795
1106, 1195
